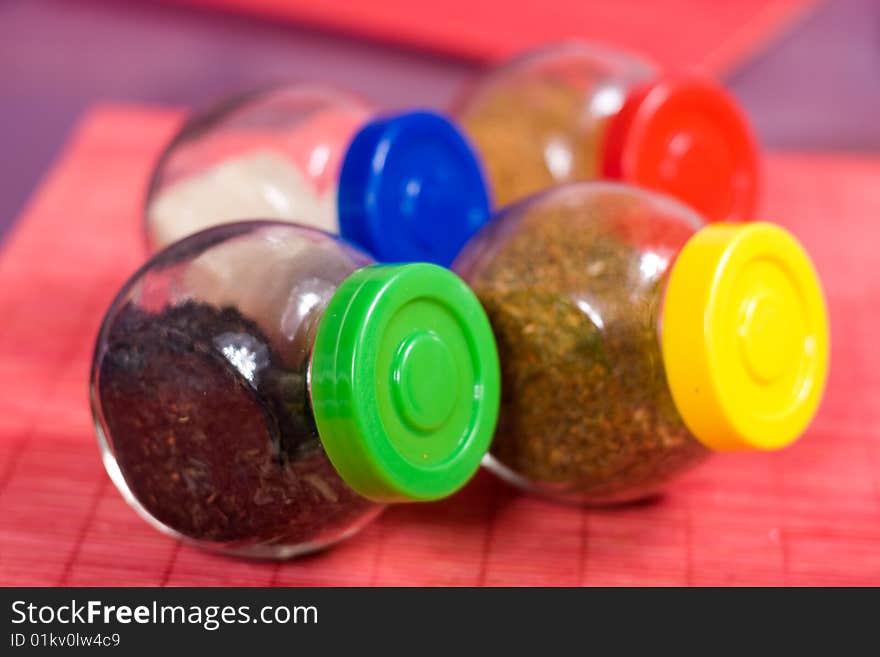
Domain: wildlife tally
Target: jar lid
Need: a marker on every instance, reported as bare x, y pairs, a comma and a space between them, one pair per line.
686, 137
405, 382
745, 336
411, 189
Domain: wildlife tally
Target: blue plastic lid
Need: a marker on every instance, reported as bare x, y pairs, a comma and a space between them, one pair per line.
411, 189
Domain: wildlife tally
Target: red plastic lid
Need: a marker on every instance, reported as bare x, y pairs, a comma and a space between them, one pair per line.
686, 137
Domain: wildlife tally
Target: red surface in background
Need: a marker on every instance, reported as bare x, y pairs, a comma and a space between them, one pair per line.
675, 33
806, 515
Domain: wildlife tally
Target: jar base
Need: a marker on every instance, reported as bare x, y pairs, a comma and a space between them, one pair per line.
258, 551
635, 497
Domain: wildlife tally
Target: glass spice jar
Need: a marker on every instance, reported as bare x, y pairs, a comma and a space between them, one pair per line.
405, 187
634, 340
261, 389
574, 111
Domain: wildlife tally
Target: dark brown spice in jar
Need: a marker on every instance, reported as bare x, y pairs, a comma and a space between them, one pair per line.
573, 282
214, 434
263, 389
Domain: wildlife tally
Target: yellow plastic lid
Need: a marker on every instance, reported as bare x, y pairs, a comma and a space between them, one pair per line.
745, 336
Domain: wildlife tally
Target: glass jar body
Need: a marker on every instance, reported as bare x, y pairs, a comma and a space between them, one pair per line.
573, 282
540, 120
273, 154
200, 391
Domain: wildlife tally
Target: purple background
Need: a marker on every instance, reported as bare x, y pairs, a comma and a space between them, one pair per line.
817, 87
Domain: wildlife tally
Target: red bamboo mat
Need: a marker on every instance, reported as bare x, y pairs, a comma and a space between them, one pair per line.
676, 33
807, 515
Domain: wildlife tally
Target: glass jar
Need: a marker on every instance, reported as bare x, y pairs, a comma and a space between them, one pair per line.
261, 389
634, 339
575, 111
405, 187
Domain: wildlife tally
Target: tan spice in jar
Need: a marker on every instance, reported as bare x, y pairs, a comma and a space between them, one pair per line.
540, 119
530, 137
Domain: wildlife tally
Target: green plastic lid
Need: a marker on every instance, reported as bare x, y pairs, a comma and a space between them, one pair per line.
405, 382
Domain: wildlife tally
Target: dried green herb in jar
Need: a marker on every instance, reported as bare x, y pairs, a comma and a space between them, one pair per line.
634, 339
572, 282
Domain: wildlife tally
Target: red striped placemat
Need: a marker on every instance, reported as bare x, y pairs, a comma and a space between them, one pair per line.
807, 515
